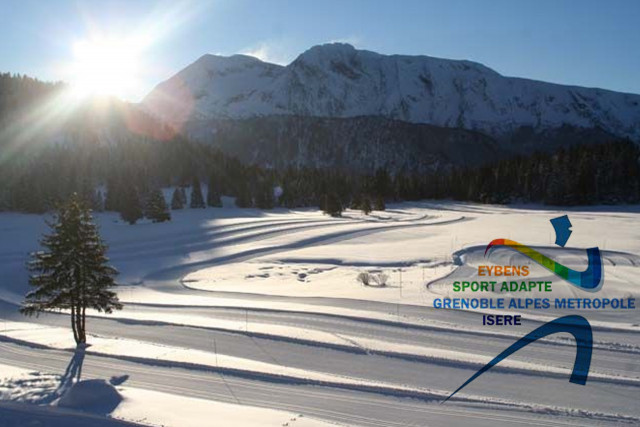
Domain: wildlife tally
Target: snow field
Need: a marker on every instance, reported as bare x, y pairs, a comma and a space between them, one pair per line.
277, 291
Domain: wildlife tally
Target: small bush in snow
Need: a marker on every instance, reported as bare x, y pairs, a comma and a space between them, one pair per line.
380, 279
364, 278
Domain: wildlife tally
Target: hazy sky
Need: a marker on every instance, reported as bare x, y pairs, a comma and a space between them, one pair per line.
581, 42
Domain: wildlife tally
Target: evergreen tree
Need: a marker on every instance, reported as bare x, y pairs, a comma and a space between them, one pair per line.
264, 198
85, 190
213, 193
356, 201
112, 200
183, 196
97, 202
382, 183
365, 205
72, 273
131, 209
331, 205
197, 200
176, 199
243, 197
28, 197
156, 208
378, 204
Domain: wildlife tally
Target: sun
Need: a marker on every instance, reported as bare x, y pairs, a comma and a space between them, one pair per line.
105, 67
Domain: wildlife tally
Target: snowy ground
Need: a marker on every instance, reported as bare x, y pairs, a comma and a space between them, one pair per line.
228, 307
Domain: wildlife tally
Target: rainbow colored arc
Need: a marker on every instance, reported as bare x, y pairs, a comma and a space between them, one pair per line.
589, 280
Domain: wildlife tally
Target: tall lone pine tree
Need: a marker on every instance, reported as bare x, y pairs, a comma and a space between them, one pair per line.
72, 272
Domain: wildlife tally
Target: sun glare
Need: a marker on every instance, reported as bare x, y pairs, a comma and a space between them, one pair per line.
106, 67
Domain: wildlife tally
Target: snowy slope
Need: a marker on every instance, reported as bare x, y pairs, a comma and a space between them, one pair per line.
263, 309
337, 80
21, 388
270, 300
224, 85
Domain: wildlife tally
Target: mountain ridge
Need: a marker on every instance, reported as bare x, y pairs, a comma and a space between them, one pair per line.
337, 80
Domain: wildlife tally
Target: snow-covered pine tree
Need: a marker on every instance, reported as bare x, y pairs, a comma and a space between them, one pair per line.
131, 209
72, 272
197, 200
213, 192
156, 209
176, 199
183, 196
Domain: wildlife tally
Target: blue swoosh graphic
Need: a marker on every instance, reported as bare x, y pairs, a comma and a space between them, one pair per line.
576, 325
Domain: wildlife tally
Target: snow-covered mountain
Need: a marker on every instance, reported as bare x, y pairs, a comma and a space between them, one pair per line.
338, 81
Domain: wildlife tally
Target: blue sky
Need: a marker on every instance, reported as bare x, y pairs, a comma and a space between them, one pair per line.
581, 42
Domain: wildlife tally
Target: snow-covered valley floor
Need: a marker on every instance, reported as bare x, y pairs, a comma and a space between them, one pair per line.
247, 317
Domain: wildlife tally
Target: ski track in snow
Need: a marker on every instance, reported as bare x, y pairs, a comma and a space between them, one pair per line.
380, 343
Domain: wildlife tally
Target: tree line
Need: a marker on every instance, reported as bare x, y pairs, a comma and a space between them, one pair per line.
127, 177
607, 173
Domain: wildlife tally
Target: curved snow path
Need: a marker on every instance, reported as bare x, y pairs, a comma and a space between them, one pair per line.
184, 250
166, 279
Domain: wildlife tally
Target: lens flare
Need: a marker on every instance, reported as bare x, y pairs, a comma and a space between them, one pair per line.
106, 67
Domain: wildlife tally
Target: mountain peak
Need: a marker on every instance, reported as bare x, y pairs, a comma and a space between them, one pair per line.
328, 51
338, 80
335, 47
214, 61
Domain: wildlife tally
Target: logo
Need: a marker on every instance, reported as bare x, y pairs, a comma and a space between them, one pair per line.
590, 280
562, 227
576, 325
